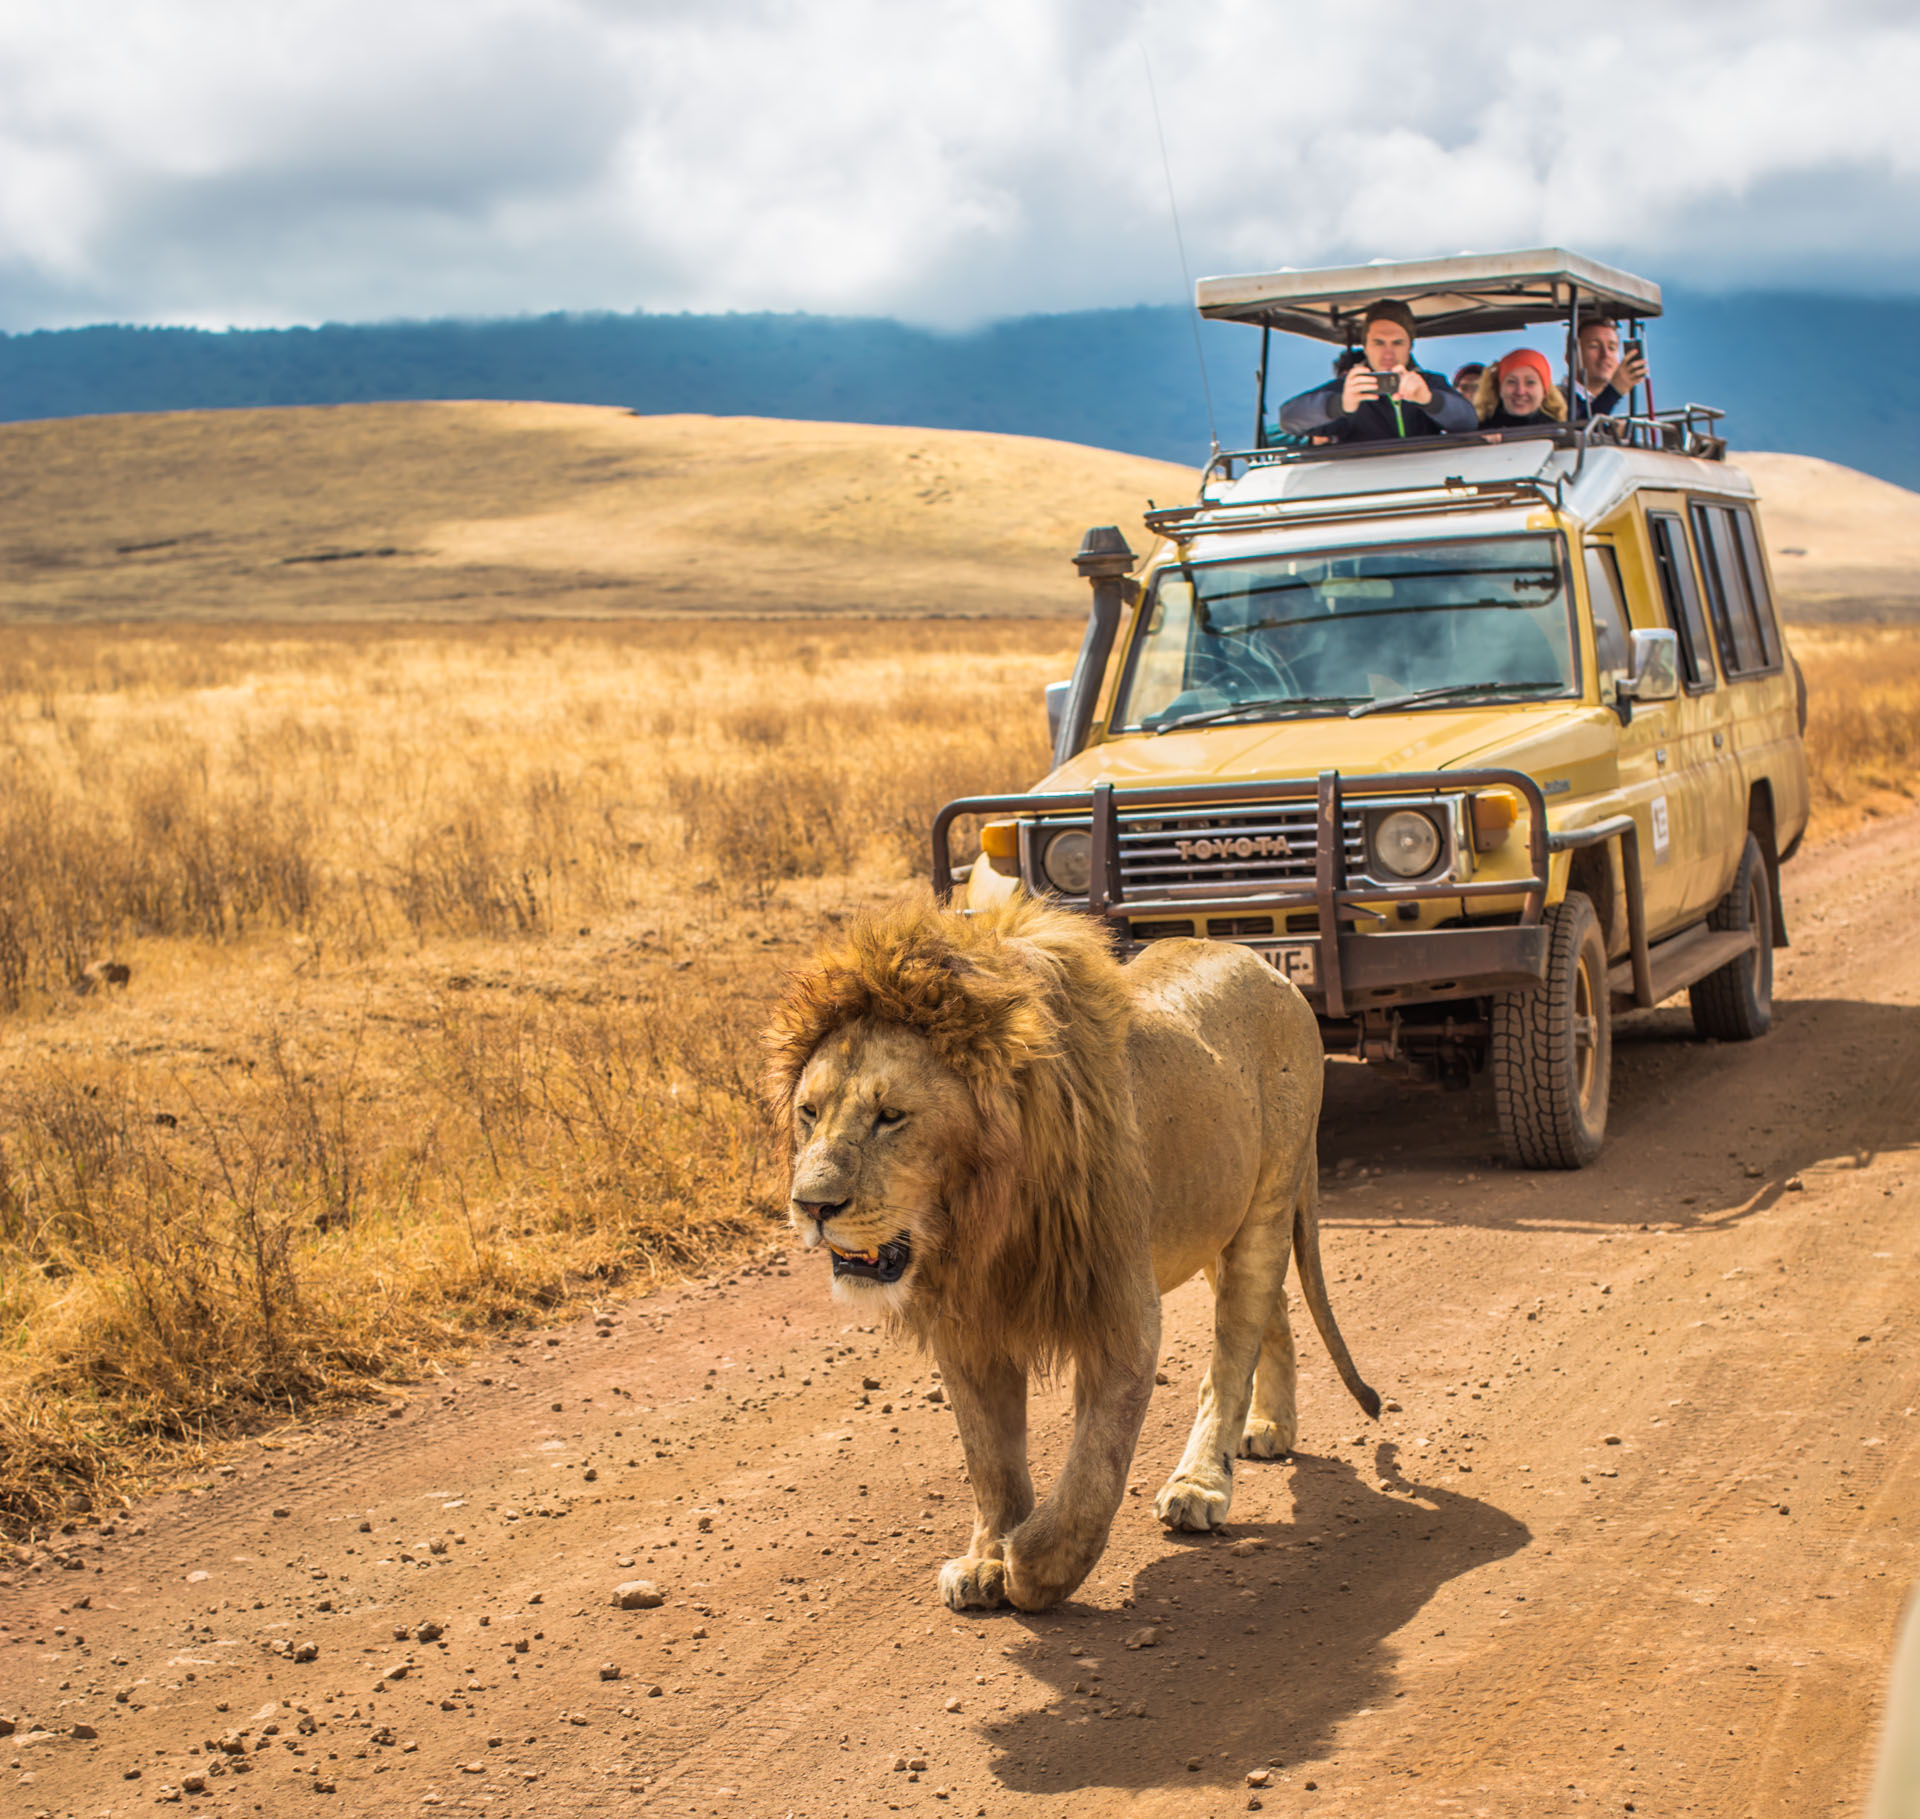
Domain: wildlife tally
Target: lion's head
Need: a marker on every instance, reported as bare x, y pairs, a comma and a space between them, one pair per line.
954, 1090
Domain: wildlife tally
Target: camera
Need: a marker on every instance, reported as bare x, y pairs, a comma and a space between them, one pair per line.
1388, 383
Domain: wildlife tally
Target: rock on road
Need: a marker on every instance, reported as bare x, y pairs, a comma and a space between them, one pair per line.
1632, 1536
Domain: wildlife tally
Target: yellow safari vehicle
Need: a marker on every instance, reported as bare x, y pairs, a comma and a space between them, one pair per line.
1478, 738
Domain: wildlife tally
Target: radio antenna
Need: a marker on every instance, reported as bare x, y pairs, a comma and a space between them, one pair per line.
1180, 244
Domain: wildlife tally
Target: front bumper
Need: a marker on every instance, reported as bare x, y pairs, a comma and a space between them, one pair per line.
1339, 968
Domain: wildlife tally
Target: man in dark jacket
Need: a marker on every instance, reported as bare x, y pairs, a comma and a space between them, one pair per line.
1383, 396
1605, 377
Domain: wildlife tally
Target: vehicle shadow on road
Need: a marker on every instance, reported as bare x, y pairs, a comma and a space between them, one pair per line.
1724, 1126
1260, 1651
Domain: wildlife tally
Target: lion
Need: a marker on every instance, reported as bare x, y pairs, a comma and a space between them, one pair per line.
1013, 1147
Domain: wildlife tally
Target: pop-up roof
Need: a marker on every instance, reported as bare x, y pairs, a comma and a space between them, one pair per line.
1472, 293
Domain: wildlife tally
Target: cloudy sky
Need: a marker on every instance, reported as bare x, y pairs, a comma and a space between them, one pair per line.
280, 161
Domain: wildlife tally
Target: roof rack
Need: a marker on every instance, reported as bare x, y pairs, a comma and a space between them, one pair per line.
1470, 293
1453, 494
1689, 430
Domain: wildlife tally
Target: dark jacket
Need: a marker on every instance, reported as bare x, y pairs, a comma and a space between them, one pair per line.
1503, 418
1603, 403
1318, 412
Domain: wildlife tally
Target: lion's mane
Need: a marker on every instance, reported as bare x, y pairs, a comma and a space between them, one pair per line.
1026, 1004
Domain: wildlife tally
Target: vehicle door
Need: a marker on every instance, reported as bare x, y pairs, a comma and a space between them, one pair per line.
1762, 721
1699, 813
1644, 736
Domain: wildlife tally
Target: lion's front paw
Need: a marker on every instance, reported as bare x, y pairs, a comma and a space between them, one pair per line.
971, 1584
1186, 1503
1266, 1439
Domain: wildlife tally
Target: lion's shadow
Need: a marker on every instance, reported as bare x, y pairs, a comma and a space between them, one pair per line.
1261, 1653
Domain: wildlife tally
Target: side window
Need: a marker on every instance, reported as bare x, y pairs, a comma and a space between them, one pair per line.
1763, 614
1729, 593
1671, 558
1609, 615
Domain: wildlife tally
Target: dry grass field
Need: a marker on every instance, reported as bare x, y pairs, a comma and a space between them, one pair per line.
448, 952
448, 956
448, 943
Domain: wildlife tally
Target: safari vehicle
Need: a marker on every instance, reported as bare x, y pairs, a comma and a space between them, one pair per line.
1478, 738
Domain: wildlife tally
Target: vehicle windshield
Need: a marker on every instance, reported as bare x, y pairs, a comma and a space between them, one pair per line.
1330, 631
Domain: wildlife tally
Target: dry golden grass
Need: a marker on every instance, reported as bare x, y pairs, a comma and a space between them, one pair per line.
1863, 721
449, 952
449, 944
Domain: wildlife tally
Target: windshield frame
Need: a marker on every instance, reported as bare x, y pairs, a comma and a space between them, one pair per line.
1575, 689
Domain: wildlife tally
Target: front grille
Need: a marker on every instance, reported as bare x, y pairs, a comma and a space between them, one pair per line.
1161, 931
1239, 928
1262, 846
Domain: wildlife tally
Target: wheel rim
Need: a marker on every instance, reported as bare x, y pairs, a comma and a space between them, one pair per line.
1586, 1037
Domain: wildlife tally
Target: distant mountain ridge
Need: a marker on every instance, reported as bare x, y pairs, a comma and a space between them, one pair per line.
1825, 376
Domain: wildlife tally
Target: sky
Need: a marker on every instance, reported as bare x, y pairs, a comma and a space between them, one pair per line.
239, 163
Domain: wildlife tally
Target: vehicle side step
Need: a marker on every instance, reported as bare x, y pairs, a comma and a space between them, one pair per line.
1679, 961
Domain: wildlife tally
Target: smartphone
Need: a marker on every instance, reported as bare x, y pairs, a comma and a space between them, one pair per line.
1633, 350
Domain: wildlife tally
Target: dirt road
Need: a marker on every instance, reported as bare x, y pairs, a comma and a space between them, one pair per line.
1633, 1534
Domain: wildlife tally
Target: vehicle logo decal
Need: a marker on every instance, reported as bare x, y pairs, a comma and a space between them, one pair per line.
1243, 846
1659, 807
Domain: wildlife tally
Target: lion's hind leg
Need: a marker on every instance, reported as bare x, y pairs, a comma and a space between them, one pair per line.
1248, 1285
1273, 1425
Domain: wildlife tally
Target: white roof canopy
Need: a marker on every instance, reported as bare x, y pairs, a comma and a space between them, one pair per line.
1472, 293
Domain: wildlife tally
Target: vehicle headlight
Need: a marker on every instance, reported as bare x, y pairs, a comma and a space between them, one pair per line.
1067, 859
1406, 843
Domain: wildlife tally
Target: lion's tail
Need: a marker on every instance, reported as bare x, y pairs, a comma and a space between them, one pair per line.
1313, 1283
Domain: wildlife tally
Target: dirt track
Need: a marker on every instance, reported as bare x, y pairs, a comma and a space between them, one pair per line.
1635, 1537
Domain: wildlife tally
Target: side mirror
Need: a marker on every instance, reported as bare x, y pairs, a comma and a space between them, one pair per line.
1653, 672
1057, 693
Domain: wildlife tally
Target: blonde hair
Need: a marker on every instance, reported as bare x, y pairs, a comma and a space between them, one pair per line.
1486, 396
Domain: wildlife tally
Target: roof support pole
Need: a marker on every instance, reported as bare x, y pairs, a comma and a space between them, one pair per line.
1260, 409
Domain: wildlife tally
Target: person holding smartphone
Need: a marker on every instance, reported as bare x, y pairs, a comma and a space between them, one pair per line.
1382, 396
1608, 371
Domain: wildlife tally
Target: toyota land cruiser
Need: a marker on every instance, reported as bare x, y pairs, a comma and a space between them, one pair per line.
1477, 738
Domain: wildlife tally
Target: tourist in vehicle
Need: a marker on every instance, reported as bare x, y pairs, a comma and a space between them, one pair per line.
1383, 397
1466, 379
1518, 392
1607, 375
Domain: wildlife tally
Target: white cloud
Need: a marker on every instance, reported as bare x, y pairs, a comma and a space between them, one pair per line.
215, 162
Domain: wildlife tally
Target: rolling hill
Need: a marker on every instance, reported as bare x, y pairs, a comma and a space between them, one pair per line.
484, 511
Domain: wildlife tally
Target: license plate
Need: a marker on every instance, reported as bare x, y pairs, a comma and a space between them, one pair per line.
1298, 961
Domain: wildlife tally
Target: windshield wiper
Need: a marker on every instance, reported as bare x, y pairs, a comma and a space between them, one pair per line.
1270, 705
1441, 694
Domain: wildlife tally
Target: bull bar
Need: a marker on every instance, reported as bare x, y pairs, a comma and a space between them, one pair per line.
1504, 957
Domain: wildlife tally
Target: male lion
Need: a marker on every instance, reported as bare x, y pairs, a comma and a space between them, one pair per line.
1014, 1146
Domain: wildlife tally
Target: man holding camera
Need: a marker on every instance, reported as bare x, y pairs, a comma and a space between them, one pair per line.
1383, 395
1608, 373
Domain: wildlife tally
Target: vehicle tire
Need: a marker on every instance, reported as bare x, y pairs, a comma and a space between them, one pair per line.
1553, 1048
1735, 1002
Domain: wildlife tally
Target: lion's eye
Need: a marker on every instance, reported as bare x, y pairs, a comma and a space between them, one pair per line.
808, 1114
886, 1115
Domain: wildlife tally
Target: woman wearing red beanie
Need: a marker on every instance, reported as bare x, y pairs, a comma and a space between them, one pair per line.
1518, 392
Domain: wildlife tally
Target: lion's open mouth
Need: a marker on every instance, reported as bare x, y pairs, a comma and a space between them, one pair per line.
887, 1264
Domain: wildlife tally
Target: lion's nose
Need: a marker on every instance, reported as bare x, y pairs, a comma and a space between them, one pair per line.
820, 1211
